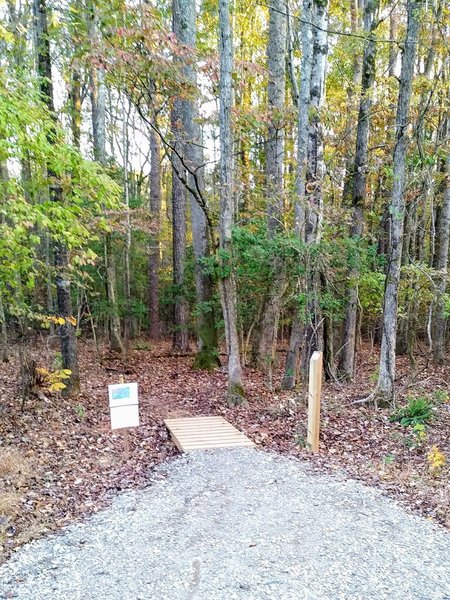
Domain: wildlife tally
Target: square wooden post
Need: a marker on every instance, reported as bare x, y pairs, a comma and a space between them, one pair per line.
315, 388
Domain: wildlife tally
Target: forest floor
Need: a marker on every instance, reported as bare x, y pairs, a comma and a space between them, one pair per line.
59, 460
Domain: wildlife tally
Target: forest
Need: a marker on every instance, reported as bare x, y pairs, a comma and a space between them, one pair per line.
199, 195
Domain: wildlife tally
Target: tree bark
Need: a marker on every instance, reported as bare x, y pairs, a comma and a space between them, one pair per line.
313, 332
98, 114
179, 206
207, 351
358, 176
267, 329
292, 356
235, 393
385, 387
155, 244
438, 323
64, 300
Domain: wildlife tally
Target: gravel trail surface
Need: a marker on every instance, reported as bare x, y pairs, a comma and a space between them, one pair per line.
238, 524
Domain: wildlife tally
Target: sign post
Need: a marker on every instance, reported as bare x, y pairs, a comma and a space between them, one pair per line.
124, 409
315, 388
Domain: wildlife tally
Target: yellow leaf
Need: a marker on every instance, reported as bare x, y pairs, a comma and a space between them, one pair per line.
55, 387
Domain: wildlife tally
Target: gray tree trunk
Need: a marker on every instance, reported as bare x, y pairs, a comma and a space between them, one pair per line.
155, 244
385, 385
357, 177
227, 209
64, 300
179, 207
313, 332
292, 356
438, 327
128, 320
266, 331
207, 351
98, 115
4, 182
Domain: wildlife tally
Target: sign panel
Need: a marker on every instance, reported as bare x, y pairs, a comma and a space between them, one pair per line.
123, 405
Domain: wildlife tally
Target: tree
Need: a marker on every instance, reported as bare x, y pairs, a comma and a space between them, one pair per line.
179, 208
267, 329
63, 296
155, 244
192, 153
293, 351
357, 183
227, 209
385, 387
98, 113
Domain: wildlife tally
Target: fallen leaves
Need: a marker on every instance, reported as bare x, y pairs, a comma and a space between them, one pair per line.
73, 464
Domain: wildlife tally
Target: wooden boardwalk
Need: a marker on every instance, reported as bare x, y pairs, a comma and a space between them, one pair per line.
201, 433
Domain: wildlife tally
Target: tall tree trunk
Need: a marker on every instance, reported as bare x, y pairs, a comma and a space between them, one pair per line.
179, 206
358, 176
292, 356
64, 301
266, 331
438, 323
227, 210
180, 309
126, 188
385, 386
98, 113
4, 183
313, 332
207, 351
155, 244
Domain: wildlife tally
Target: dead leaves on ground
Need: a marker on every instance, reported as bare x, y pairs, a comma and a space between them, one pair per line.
59, 461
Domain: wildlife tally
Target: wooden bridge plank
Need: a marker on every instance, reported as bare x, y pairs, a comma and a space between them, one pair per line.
201, 433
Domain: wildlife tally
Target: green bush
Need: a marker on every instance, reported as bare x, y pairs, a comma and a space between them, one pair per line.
418, 411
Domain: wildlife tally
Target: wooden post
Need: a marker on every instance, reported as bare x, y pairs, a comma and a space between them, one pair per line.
126, 438
315, 388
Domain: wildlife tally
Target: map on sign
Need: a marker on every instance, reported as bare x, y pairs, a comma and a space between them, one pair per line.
124, 405
121, 393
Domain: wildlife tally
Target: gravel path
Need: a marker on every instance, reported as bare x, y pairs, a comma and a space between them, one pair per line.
238, 524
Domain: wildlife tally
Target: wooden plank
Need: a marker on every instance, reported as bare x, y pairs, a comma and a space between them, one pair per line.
201, 433
315, 388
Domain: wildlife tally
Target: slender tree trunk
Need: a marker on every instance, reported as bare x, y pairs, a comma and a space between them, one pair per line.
179, 206
393, 48
438, 323
207, 351
180, 310
75, 107
267, 329
4, 183
292, 356
64, 301
227, 209
4, 355
126, 188
385, 386
155, 245
358, 176
313, 332
98, 114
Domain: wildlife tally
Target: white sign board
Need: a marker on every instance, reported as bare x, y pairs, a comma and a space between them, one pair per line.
123, 405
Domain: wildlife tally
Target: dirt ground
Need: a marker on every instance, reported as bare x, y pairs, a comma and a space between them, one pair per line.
59, 460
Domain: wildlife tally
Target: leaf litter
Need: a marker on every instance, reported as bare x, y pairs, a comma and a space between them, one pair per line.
60, 461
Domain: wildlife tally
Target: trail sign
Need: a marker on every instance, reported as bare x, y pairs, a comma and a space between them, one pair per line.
124, 405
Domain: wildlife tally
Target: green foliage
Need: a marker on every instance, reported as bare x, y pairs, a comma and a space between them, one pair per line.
441, 396
418, 411
28, 216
